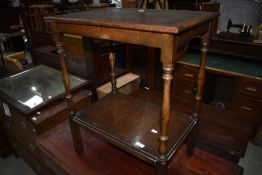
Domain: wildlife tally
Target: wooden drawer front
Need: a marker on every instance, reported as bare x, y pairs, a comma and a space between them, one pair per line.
187, 73
184, 89
20, 137
251, 88
247, 106
34, 163
23, 124
50, 116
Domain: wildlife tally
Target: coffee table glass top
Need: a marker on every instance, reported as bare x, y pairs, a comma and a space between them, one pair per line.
36, 86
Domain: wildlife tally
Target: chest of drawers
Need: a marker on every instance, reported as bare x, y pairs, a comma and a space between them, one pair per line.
23, 119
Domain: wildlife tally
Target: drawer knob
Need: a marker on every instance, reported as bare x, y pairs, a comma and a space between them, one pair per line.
246, 108
251, 89
188, 75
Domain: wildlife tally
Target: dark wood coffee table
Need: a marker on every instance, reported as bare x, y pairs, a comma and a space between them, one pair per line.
129, 123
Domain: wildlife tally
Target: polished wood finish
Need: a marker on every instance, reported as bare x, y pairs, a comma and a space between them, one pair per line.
113, 74
110, 17
247, 106
187, 73
124, 127
221, 132
250, 88
155, 29
56, 151
247, 101
71, 43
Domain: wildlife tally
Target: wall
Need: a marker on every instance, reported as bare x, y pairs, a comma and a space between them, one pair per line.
240, 12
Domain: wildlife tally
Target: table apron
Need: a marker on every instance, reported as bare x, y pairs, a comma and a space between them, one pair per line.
150, 39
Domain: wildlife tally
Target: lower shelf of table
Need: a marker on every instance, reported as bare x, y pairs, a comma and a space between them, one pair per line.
133, 125
57, 153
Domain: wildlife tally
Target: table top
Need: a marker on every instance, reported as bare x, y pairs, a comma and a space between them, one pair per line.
137, 133
35, 87
166, 21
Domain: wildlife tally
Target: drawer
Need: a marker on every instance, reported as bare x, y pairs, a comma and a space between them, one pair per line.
247, 106
187, 73
24, 126
51, 115
184, 89
15, 133
34, 163
250, 88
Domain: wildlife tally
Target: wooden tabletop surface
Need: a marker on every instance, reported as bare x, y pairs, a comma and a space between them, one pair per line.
167, 21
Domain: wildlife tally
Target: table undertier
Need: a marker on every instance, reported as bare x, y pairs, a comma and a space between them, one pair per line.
133, 125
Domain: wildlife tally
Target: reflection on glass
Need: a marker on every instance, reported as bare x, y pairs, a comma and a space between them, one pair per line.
33, 102
36, 86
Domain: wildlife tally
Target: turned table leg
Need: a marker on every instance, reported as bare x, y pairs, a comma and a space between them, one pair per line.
75, 130
113, 74
199, 93
165, 115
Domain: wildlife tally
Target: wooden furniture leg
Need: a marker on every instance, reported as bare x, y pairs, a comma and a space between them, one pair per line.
165, 114
113, 74
59, 42
199, 94
76, 135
